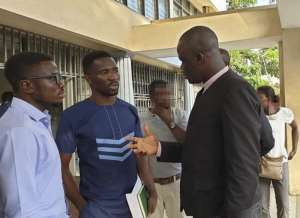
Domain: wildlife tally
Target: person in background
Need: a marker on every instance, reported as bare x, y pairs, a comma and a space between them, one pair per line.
98, 129
278, 118
30, 176
265, 137
168, 124
226, 56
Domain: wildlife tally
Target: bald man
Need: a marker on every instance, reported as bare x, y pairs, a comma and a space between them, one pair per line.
220, 155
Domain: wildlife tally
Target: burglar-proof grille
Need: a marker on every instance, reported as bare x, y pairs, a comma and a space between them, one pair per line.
144, 74
67, 57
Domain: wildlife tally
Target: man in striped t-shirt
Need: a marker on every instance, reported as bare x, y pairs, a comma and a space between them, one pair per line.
98, 128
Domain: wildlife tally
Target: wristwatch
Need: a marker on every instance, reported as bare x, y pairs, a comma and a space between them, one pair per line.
172, 125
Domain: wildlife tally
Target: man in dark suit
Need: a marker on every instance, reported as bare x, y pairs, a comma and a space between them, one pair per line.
221, 152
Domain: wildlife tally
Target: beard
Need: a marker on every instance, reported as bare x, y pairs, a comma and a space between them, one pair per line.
110, 92
107, 92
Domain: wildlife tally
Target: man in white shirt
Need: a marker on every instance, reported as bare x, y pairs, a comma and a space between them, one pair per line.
168, 124
278, 118
30, 175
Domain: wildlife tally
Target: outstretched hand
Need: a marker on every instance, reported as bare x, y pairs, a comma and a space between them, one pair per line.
147, 145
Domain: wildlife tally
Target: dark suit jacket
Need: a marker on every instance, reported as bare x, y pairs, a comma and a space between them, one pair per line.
221, 153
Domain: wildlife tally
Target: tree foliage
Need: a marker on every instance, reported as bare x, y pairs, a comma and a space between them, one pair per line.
235, 4
256, 65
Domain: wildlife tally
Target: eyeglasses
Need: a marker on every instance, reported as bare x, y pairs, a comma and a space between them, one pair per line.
57, 78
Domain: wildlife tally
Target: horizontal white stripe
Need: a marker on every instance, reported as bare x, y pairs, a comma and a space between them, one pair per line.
114, 141
116, 158
116, 150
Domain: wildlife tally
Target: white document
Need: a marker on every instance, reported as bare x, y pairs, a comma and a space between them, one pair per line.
136, 200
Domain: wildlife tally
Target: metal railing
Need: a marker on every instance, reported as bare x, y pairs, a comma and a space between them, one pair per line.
66, 55
144, 74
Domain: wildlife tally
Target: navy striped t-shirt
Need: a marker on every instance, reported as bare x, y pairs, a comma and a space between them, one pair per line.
108, 168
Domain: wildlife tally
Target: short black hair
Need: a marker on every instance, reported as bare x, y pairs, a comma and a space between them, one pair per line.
88, 59
17, 66
269, 92
156, 84
6, 96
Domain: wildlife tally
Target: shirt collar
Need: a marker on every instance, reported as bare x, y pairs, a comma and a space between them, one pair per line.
29, 109
214, 78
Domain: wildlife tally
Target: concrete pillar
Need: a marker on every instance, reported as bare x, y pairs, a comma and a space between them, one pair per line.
297, 207
189, 97
126, 84
290, 91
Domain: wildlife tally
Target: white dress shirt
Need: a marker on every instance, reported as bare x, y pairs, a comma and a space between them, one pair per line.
214, 78
278, 121
30, 176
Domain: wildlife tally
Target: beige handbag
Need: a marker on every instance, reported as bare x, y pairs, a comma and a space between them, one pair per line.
271, 168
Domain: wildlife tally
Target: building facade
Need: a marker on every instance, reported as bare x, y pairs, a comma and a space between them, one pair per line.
164, 9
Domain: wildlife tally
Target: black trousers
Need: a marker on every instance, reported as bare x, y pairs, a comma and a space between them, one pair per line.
252, 212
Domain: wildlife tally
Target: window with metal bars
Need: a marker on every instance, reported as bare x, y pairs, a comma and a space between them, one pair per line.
144, 74
67, 57
152, 9
163, 9
136, 5
184, 8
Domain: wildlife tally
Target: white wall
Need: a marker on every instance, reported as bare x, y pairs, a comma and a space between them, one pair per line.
220, 4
